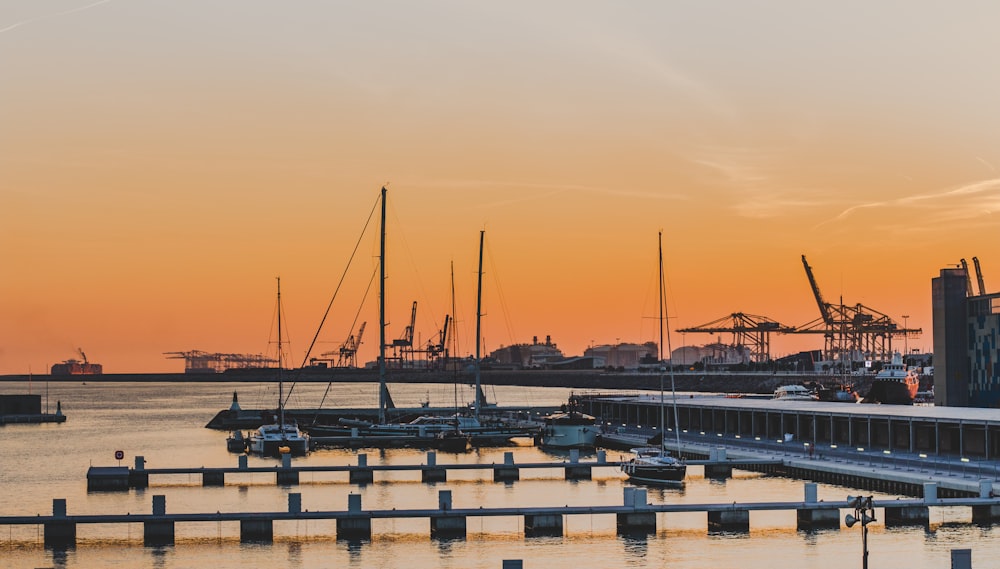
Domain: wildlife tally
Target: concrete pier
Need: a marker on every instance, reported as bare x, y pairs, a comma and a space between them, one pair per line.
59, 533
734, 520
356, 525
257, 531
447, 526
544, 525
574, 470
638, 521
506, 472
432, 473
906, 516
362, 474
717, 467
815, 518
100, 478
158, 532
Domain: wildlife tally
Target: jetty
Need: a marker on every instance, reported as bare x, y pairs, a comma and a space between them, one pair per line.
634, 516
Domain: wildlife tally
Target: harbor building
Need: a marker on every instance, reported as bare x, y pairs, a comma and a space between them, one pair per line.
528, 356
625, 356
966, 340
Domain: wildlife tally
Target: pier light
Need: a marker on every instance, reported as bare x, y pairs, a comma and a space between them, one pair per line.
703, 432
779, 440
886, 452
756, 438
861, 449
833, 446
684, 431
963, 459
922, 455
737, 436
718, 434
805, 444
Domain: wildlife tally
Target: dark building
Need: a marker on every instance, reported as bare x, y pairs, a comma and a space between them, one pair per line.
966, 347
20, 404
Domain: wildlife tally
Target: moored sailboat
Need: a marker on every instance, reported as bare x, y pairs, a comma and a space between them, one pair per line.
655, 465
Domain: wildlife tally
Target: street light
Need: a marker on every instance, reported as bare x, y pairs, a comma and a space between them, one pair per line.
862, 508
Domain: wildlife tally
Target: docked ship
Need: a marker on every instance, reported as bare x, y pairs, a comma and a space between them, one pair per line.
77, 367
569, 430
894, 384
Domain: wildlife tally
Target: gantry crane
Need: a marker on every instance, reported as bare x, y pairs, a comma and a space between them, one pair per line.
748, 330
402, 347
851, 331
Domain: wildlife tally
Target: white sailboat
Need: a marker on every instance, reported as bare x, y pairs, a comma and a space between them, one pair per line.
654, 465
281, 437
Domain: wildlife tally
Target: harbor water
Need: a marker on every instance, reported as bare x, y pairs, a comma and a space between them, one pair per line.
164, 422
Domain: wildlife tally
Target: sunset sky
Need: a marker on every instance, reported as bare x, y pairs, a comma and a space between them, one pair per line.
161, 162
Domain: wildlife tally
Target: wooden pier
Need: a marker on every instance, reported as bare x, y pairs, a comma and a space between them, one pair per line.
634, 516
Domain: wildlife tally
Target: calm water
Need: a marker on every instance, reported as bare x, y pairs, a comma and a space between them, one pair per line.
164, 423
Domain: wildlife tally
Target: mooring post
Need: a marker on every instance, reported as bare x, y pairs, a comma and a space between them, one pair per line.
158, 532
506, 472
355, 525
445, 525
362, 474
294, 503
961, 559
432, 473
138, 477
242, 462
985, 515
718, 467
811, 517
575, 470
602, 457
637, 521
59, 533
512, 564
285, 476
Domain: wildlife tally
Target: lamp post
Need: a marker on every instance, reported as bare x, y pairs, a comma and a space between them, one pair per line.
906, 335
864, 512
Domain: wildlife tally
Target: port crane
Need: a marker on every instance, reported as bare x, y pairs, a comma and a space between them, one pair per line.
348, 352
402, 347
198, 361
748, 330
851, 331
979, 277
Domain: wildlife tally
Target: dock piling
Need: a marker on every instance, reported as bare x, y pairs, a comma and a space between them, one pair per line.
362, 474
138, 477
158, 532
257, 531
507, 472
432, 473
810, 518
447, 526
59, 533
356, 525
636, 522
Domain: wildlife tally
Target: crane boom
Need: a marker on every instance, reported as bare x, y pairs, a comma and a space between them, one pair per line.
979, 276
968, 278
824, 308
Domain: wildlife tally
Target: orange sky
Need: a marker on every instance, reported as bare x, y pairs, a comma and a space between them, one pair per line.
161, 163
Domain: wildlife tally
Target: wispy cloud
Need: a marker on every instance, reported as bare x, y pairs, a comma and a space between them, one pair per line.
958, 203
751, 177
50, 16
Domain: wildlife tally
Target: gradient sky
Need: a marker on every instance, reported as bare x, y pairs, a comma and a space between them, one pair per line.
162, 161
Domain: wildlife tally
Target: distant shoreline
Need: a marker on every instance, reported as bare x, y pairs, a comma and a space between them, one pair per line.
750, 383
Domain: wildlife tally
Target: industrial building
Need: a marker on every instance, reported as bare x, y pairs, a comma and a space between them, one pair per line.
966, 340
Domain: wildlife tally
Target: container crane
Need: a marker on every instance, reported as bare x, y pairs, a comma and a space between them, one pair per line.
402, 347
349, 349
748, 330
968, 279
979, 276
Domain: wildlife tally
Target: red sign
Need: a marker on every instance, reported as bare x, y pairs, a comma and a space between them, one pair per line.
119, 454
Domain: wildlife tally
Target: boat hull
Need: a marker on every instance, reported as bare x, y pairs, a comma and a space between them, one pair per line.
655, 474
569, 437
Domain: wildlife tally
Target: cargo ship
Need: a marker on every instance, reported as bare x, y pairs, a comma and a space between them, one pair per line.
894, 384
77, 367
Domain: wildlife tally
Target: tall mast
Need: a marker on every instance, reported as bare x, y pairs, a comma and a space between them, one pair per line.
479, 314
663, 422
281, 394
663, 317
382, 400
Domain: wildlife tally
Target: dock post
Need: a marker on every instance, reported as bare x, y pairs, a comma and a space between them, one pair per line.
514, 564
433, 473
59, 533
507, 472
285, 476
636, 522
985, 515
356, 525
809, 518
159, 532
294, 503
602, 456
445, 526
138, 477
575, 470
732, 520
543, 525
242, 462
362, 474
257, 531
719, 468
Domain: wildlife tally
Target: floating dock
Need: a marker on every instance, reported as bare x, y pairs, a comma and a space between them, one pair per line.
634, 516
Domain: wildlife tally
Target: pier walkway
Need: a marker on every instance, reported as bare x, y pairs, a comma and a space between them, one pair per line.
635, 515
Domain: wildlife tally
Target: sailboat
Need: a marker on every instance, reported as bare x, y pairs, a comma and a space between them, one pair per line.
654, 465
281, 437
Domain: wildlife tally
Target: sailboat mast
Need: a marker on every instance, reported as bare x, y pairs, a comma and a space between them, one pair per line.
479, 314
281, 394
382, 402
663, 422
663, 316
